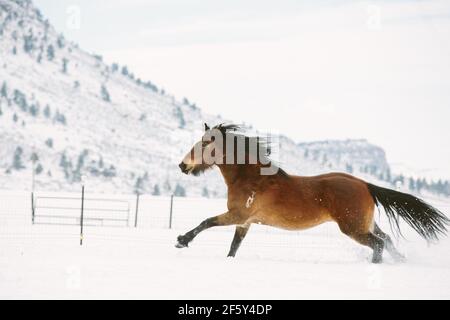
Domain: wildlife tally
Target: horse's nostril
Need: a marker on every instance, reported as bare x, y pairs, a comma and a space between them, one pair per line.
182, 166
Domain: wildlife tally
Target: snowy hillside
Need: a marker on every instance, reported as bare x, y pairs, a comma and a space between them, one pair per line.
65, 114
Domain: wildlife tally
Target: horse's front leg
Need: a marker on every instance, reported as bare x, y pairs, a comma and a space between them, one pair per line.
226, 219
239, 235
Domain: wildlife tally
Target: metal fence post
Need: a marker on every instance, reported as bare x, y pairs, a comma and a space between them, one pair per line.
82, 216
137, 211
32, 207
171, 212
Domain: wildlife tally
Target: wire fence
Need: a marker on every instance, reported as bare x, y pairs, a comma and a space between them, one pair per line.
50, 215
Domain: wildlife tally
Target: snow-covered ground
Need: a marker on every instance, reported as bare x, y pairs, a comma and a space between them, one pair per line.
43, 261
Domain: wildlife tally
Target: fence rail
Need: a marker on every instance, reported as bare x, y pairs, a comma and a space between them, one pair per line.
22, 216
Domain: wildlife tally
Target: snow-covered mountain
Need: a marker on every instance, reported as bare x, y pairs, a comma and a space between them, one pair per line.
66, 115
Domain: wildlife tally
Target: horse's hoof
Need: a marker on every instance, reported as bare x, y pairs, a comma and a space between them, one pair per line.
377, 260
181, 243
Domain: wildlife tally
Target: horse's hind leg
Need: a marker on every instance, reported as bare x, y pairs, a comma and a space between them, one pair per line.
239, 235
374, 242
389, 244
366, 238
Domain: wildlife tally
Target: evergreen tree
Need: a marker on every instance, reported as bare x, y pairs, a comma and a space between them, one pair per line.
105, 94
34, 110
39, 169
34, 157
110, 172
179, 114
412, 184
65, 62
156, 191
205, 192
179, 191
4, 90
28, 43
47, 112
125, 71
101, 163
59, 117
139, 186
49, 143
50, 53
20, 100
60, 42
17, 159
349, 168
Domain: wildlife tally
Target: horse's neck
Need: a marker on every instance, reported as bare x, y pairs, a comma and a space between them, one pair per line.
234, 172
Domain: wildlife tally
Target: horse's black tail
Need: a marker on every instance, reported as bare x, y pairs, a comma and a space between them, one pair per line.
428, 221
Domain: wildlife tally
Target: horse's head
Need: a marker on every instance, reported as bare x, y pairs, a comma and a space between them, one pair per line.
222, 145
207, 152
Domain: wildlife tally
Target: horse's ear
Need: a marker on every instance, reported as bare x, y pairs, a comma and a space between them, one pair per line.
207, 127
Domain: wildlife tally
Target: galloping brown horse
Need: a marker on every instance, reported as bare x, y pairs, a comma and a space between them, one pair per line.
297, 203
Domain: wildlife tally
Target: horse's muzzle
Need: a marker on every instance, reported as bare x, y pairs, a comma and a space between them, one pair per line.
183, 168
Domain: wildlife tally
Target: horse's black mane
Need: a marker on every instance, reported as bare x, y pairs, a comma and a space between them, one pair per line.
262, 143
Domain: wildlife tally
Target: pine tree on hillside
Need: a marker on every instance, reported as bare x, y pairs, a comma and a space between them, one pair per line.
59, 117
65, 62
139, 186
28, 43
39, 169
34, 157
105, 94
49, 143
34, 110
4, 90
50, 53
20, 100
17, 159
61, 42
47, 112
179, 114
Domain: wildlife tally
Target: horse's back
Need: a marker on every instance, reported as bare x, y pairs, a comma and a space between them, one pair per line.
303, 202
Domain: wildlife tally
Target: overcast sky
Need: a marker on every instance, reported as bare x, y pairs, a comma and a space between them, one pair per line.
320, 70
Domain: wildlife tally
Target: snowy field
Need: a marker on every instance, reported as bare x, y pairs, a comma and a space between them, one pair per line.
47, 261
